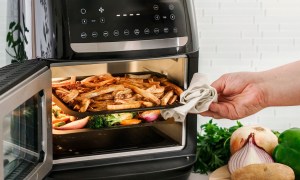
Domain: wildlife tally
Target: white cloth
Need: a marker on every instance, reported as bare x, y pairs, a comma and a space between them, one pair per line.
195, 99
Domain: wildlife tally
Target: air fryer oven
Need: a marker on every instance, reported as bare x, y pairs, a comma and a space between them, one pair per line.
88, 37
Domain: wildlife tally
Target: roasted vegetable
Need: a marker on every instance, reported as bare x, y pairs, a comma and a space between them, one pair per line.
130, 121
102, 121
114, 119
150, 115
97, 121
288, 150
78, 124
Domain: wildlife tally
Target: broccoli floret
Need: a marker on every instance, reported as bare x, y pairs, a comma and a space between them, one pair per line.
97, 121
102, 121
114, 119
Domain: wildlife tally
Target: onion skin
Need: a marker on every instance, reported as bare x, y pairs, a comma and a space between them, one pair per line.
264, 138
250, 153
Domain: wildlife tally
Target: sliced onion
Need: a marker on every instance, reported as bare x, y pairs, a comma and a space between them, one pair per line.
150, 115
249, 154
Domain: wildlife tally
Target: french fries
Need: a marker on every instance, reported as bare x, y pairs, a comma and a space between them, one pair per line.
105, 92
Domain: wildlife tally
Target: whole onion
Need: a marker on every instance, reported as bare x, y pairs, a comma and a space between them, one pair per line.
250, 153
264, 138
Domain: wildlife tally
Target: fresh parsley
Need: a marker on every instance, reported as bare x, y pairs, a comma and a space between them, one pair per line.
213, 147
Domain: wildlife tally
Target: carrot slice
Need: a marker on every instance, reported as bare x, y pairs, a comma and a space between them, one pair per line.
64, 119
130, 122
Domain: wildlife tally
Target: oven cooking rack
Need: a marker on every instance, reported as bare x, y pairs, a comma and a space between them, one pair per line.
70, 111
160, 120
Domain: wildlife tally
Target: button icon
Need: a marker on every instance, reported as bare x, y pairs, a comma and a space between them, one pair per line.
147, 31
83, 11
101, 10
155, 7
105, 33
156, 17
116, 33
126, 32
171, 7
102, 20
175, 30
172, 17
136, 31
83, 21
83, 35
156, 31
94, 34
166, 30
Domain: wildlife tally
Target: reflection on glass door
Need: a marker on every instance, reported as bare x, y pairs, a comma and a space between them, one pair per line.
22, 139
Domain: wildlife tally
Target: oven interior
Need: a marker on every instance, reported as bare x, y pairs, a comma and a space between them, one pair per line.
166, 135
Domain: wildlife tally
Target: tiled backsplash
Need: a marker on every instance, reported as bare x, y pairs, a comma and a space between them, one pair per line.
250, 35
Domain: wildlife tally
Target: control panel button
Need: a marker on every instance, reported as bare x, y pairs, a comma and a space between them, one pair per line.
147, 31
136, 31
175, 30
156, 17
126, 32
105, 33
172, 16
155, 7
171, 7
101, 10
156, 30
83, 11
102, 20
166, 30
83, 21
83, 35
94, 34
116, 33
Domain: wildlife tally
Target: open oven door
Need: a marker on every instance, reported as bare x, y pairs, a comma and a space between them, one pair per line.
25, 121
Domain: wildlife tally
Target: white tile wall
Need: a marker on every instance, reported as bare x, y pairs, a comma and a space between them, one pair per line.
249, 35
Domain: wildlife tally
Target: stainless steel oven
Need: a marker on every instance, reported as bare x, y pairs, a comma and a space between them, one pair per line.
65, 38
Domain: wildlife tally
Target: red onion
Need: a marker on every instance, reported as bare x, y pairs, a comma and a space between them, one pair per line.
264, 138
250, 153
150, 115
78, 124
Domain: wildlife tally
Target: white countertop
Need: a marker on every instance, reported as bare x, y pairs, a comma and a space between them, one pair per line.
196, 176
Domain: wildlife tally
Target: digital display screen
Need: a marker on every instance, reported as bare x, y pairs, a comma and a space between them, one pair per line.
124, 20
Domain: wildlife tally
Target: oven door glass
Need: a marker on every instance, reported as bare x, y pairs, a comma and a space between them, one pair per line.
25, 108
21, 139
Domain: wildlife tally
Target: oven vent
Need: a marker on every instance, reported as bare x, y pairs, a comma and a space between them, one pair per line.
15, 73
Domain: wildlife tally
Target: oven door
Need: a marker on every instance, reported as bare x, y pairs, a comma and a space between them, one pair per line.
25, 121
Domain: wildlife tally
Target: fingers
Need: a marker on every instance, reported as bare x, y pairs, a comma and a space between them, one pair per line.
211, 114
218, 111
219, 84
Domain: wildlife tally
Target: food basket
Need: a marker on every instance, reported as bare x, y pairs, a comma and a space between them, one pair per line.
69, 110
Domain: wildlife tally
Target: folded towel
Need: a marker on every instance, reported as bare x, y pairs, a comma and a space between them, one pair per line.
196, 99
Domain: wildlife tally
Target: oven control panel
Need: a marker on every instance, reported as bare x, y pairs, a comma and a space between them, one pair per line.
93, 21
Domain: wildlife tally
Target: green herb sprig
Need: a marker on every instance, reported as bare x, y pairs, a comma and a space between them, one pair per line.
213, 147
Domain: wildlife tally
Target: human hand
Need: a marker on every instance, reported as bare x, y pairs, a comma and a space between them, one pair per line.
239, 95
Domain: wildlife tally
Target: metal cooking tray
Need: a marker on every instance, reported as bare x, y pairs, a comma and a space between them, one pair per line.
70, 111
